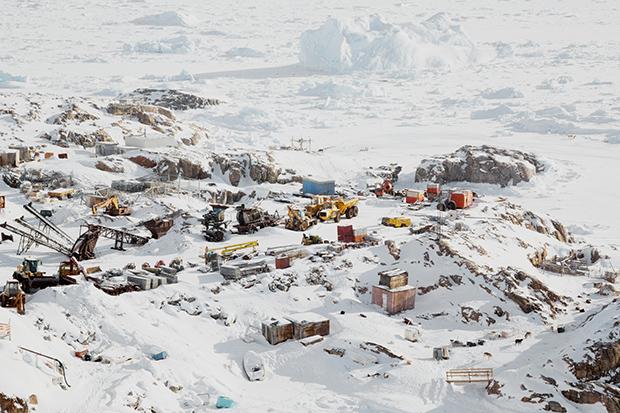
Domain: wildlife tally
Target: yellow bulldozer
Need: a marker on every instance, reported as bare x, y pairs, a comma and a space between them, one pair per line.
112, 207
298, 220
339, 208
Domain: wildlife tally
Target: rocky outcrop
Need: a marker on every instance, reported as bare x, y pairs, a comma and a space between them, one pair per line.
528, 293
554, 406
110, 165
170, 99
192, 170
12, 404
158, 118
258, 167
167, 168
64, 137
536, 223
171, 168
480, 164
72, 114
194, 139
605, 360
143, 161
610, 398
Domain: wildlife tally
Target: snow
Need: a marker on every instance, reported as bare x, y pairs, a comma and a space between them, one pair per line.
168, 18
372, 44
173, 45
9, 81
504, 93
370, 83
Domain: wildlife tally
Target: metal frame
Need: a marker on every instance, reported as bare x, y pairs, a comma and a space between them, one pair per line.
470, 375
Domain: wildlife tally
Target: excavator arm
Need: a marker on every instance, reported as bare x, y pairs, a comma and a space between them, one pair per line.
112, 201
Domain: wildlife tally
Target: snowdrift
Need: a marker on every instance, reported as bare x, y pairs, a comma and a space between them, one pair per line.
173, 45
9, 81
371, 44
168, 18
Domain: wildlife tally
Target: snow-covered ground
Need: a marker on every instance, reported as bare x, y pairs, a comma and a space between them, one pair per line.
370, 83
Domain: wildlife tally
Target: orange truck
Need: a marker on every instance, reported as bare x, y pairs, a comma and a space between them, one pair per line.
456, 200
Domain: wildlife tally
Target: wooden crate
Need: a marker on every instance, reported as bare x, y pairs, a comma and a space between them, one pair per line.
277, 330
308, 324
393, 278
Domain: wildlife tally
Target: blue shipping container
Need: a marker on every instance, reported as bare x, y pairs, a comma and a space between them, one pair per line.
160, 356
312, 187
224, 402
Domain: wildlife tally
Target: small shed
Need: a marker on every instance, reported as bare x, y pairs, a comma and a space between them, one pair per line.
277, 330
10, 158
316, 187
394, 278
394, 300
26, 154
308, 325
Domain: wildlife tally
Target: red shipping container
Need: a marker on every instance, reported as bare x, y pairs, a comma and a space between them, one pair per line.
282, 262
462, 199
433, 189
345, 233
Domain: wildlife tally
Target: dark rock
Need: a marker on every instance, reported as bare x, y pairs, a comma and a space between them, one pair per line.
72, 114
258, 168
143, 161
169, 98
480, 164
12, 404
554, 406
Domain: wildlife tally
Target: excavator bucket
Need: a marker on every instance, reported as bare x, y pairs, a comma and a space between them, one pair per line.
84, 247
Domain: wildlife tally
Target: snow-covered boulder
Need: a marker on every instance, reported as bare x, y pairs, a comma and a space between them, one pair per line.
480, 164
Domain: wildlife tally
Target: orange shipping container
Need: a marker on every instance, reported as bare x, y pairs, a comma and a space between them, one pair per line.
462, 199
412, 196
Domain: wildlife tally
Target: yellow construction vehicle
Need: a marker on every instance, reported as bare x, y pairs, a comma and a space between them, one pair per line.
298, 220
112, 207
311, 240
339, 208
69, 268
13, 296
214, 255
61, 194
317, 204
396, 222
